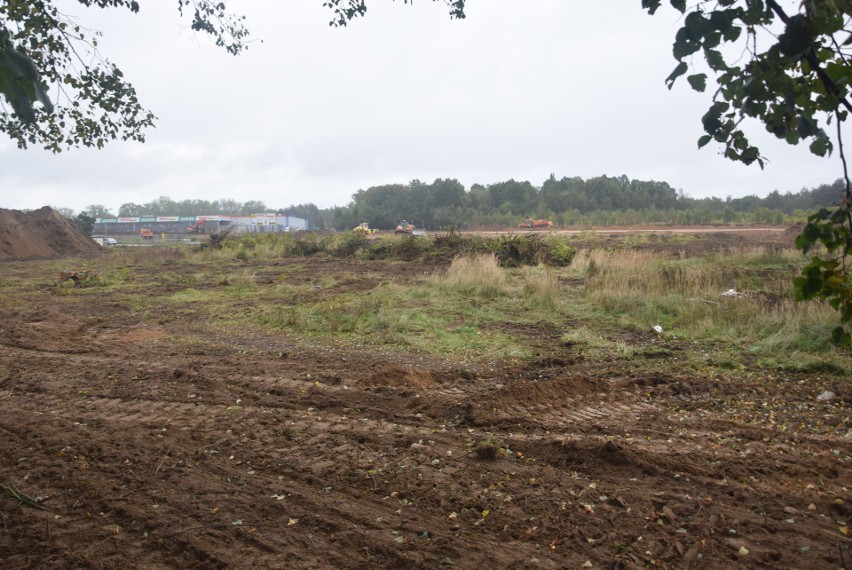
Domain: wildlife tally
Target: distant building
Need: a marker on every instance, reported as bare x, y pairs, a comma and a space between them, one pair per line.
255, 223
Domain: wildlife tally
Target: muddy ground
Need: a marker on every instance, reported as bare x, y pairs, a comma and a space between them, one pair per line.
146, 441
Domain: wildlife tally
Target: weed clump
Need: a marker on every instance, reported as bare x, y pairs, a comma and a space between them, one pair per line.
402, 248
486, 451
541, 290
479, 275
347, 245
489, 448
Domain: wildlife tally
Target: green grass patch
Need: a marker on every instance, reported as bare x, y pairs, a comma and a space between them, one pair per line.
432, 318
491, 298
638, 289
192, 296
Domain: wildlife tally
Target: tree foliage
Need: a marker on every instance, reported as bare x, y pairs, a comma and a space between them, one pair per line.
165, 206
44, 51
346, 10
791, 72
62, 93
788, 71
84, 223
567, 201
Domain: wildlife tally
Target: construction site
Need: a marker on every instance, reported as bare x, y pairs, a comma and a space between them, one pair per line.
246, 408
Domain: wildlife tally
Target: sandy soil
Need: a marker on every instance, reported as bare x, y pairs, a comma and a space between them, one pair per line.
41, 233
161, 442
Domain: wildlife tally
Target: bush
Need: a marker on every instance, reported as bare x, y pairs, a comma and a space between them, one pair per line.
561, 254
509, 251
347, 245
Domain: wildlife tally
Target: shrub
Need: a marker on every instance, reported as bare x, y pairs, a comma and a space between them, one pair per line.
347, 244
510, 251
561, 254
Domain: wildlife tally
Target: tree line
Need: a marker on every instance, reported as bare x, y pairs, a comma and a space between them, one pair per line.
165, 206
569, 201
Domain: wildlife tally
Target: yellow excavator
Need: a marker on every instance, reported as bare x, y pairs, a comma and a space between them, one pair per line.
364, 229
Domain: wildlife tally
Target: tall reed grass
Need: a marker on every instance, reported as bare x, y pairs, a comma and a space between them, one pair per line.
541, 289
478, 275
684, 296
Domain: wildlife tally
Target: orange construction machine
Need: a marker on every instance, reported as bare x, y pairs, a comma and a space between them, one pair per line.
404, 228
145, 233
198, 227
536, 224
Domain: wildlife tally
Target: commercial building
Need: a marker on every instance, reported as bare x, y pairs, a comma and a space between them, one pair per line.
171, 225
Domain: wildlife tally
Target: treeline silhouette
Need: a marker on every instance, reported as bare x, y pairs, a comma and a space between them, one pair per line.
600, 201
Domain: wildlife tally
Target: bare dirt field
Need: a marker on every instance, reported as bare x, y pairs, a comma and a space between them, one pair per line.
143, 439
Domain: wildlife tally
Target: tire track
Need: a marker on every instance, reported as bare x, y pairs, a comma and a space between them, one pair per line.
565, 415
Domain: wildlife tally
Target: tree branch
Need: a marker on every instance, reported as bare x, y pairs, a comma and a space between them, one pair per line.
813, 61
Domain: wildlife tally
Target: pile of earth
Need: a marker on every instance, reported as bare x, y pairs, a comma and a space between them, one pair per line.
41, 233
789, 236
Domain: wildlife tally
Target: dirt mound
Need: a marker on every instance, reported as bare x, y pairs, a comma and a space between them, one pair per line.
538, 392
788, 237
41, 233
388, 374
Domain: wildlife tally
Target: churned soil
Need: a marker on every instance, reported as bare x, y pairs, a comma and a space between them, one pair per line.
41, 233
143, 441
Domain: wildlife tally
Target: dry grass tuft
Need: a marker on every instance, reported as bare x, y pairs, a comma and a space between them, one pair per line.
541, 289
480, 275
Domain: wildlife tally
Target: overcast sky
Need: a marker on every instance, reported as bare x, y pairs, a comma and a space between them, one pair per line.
520, 89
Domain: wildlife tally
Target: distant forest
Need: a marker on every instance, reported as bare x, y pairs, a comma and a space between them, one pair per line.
445, 204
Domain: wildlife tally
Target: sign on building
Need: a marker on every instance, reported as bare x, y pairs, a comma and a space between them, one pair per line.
264, 219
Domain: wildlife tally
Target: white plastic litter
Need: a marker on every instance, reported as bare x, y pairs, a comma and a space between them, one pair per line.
732, 293
657, 329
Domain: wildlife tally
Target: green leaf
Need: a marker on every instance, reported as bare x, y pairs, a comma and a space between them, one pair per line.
697, 24
841, 338
797, 37
809, 284
732, 34
678, 71
715, 60
722, 20
820, 146
749, 155
704, 140
712, 119
651, 5
840, 73
684, 44
698, 81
